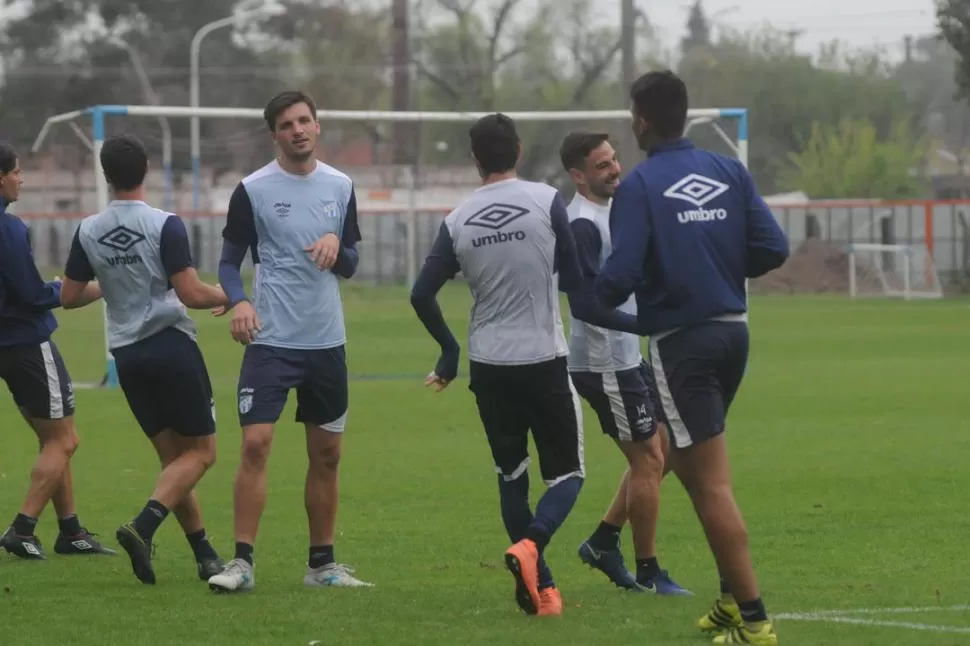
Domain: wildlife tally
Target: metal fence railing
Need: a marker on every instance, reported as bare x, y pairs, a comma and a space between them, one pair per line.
387, 249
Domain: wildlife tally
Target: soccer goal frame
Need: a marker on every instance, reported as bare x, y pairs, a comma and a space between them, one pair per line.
99, 114
906, 291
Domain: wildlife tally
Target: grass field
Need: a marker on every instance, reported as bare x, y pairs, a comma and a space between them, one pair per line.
849, 443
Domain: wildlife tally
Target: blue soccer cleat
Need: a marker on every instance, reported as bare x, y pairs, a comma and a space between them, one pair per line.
610, 563
663, 585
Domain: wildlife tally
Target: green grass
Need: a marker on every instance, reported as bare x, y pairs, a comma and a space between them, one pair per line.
849, 443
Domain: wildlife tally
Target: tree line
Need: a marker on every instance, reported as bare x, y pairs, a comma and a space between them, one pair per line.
837, 124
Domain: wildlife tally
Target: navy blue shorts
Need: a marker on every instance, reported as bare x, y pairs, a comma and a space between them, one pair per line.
166, 383
625, 401
319, 377
38, 380
698, 371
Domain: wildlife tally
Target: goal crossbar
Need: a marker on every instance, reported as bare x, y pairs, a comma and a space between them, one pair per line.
98, 114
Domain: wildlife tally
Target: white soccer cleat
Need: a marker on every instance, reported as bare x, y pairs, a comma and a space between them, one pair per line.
238, 576
333, 574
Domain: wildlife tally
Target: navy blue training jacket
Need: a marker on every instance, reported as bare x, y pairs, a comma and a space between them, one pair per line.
688, 227
26, 300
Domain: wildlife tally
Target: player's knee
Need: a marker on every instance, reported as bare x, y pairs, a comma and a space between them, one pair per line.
706, 493
63, 438
255, 448
207, 455
72, 444
646, 458
325, 458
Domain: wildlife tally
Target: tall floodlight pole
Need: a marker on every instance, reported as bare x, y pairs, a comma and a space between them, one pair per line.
204, 31
265, 10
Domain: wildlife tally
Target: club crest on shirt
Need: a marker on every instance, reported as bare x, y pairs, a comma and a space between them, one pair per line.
330, 210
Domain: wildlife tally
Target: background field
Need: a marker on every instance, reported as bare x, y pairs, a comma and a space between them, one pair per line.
849, 444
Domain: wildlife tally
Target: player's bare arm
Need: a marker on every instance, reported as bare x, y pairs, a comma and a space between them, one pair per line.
196, 294
76, 294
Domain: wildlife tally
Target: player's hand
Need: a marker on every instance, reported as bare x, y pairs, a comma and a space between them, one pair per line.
324, 251
436, 382
245, 323
220, 310
445, 370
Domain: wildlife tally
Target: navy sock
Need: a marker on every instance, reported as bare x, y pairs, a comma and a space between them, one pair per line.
647, 568
201, 547
321, 555
150, 519
753, 611
244, 551
514, 500
551, 512
725, 588
69, 526
606, 537
24, 525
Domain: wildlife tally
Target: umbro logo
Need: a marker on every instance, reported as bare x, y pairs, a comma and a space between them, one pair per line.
282, 208
496, 216
696, 189
121, 238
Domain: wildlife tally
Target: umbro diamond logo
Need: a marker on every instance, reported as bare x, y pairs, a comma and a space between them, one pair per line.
121, 238
496, 216
696, 189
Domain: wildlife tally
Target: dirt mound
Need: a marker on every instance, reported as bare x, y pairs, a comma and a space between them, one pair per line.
816, 267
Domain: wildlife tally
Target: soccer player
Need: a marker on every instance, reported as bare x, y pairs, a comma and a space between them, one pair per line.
299, 216
36, 376
688, 227
141, 260
510, 239
609, 373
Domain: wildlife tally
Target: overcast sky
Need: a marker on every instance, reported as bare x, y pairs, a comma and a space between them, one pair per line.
861, 23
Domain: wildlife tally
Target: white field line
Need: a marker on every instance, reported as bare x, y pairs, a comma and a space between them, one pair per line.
878, 611
843, 617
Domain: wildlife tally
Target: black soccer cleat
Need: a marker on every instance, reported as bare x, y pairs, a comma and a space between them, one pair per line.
25, 547
82, 544
208, 568
139, 552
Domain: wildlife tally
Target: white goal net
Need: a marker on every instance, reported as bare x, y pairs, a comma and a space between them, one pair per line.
892, 271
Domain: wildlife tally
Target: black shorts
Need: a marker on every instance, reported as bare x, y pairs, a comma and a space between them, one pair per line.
38, 380
514, 399
698, 371
624, 401
166, 383
319, 377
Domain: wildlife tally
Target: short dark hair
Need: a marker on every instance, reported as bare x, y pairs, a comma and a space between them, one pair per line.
495, 143
285, 100
124, 162
577, 146
8, 158
661, 99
